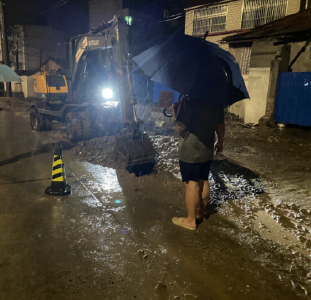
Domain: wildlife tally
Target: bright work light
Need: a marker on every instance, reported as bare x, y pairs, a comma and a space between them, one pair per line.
107, 93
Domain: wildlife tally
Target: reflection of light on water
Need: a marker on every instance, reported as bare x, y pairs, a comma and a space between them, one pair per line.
117, 209
110, 180
118, 201
105, 179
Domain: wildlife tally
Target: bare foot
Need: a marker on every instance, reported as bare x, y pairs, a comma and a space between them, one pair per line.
186, 222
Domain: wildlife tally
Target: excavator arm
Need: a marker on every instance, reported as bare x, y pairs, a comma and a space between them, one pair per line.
112, 39
108, 48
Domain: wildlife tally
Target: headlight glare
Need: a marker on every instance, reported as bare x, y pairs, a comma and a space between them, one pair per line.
107, 93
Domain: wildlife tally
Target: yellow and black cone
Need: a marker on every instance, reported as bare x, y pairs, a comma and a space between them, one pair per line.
58, 181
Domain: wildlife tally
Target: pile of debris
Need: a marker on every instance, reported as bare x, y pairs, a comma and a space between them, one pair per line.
99, 151
227, 180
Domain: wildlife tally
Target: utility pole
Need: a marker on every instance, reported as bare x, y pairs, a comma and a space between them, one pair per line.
5, 48
16, 52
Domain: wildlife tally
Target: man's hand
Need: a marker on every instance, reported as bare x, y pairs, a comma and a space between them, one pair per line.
219, 147
173, 108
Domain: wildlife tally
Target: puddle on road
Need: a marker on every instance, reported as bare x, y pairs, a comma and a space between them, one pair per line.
103, 183
249, 213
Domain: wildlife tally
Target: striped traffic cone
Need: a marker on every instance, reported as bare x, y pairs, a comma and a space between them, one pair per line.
58, 181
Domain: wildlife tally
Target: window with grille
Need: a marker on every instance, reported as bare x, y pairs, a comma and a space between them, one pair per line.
245, 60
260, 12
211, 19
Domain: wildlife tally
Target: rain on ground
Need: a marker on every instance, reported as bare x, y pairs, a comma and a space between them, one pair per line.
113, 237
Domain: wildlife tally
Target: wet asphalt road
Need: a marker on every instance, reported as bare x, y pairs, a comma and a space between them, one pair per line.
113, 238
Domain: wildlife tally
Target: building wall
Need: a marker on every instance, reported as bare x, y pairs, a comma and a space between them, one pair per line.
263, 53
234, 16
303, 63
28, 86
293, 7
36, 44
257, 83
24, 89
233, 21
189, 22
259, 79
42, 43
16, 47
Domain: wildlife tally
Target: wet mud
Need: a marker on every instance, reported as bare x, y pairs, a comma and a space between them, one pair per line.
113, 237
244, 197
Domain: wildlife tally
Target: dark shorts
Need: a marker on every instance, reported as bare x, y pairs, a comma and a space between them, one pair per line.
194, 172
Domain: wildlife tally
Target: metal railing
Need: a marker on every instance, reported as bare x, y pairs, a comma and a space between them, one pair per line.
260, 12
212, 19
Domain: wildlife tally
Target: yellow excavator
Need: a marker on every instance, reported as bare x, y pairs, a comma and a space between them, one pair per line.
51, 86
101, 99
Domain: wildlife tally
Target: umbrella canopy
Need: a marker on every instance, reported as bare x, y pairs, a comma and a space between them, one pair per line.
196, 68
8, 75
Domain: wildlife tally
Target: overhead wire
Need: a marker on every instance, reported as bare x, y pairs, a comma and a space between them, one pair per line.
52, 7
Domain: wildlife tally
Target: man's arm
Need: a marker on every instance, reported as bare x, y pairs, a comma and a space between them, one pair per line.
220, 131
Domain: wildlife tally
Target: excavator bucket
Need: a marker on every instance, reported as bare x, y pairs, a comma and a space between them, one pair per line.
136, 155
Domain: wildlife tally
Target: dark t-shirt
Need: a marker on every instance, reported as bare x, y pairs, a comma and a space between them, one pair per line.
199, 122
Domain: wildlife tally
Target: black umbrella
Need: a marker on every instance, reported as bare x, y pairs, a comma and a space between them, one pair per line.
196, 68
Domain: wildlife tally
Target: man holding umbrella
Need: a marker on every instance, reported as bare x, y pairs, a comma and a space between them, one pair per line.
197, 122
209, 78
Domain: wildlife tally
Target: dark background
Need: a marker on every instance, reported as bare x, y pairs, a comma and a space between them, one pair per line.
70, 16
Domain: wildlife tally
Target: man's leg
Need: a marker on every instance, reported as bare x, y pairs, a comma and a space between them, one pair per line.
192, 202
204, 196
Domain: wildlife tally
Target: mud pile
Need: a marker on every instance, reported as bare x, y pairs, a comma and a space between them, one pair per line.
137, 156
227, 180
99, 151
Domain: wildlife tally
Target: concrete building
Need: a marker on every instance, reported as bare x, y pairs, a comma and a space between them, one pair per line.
222, 18
279, 47
235, 18
30, 46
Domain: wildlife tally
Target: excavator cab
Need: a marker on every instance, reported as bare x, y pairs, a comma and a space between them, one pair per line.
51, 86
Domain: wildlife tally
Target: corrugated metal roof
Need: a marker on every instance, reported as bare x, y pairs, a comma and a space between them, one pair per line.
297, 26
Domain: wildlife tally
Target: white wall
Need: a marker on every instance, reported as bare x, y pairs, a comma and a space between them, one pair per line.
257, 83
27, 86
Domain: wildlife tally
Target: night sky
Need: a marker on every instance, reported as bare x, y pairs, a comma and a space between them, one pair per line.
71, 17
